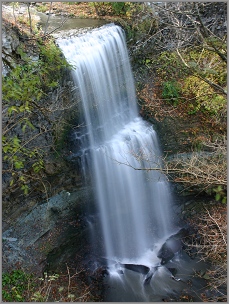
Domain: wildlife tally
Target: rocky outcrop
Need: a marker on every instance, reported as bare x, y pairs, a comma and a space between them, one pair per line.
10, 43
171, 246
52, 215
50, 131
43, 229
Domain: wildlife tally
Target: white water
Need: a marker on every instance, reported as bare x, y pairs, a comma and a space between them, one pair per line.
134, 205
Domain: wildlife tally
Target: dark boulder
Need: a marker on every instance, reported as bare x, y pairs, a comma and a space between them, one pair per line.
165, 254
150, 274
171, 246
173, 271
137, 268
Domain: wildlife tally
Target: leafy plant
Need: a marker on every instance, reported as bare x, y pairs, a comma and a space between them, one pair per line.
169, 66
118, 7
171, 91
19, 286
14, 286
220, 194
43, 7
205, 98
102, 8
23, 90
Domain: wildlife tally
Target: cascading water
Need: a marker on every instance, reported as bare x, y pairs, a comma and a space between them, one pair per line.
134, 205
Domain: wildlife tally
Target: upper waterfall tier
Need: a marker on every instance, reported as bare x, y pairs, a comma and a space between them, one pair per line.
104, 78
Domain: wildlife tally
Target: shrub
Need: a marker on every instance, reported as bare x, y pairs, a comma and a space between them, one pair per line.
14, 286
205, 98
118, 7
171, 91
23, 90
19, 286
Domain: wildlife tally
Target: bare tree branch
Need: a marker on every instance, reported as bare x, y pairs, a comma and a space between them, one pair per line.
215, 86
49, 14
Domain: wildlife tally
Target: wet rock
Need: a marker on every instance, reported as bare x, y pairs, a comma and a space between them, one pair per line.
150, 275
165, 253
99, 273
137, 268
173, 271
171, 246
120, 272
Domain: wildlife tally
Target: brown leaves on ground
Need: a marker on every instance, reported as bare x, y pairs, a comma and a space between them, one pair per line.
154, 105
201, 126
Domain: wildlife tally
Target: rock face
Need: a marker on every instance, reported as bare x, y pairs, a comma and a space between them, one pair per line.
50, 133
39, 232
10, 42
41, 223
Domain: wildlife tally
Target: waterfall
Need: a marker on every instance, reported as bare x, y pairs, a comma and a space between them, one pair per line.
134, 205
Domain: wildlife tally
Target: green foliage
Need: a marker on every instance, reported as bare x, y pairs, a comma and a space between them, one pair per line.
21, 159
204, 64
43, 7
142, 22
14, 4
113, 8
220, 194
19, 286
50, 64
119, 8
38, 297
207, 64
14, 286
169, 66
171, 91
21, 85
42, 294
137, 12
102, 8
30, 80
201, 64
205, 98
22, 92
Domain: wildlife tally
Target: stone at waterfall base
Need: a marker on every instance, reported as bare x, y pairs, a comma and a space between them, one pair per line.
171, 246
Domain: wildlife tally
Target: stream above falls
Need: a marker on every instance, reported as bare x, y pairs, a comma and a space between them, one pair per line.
63, 23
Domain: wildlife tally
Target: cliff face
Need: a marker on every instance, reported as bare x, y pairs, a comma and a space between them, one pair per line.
57, 198
57, 108
42, 229
10, 42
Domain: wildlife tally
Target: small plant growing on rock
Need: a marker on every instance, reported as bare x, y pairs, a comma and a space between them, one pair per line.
15, 285
171, 91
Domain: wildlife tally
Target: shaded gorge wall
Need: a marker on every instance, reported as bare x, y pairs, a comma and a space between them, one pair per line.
50, 219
